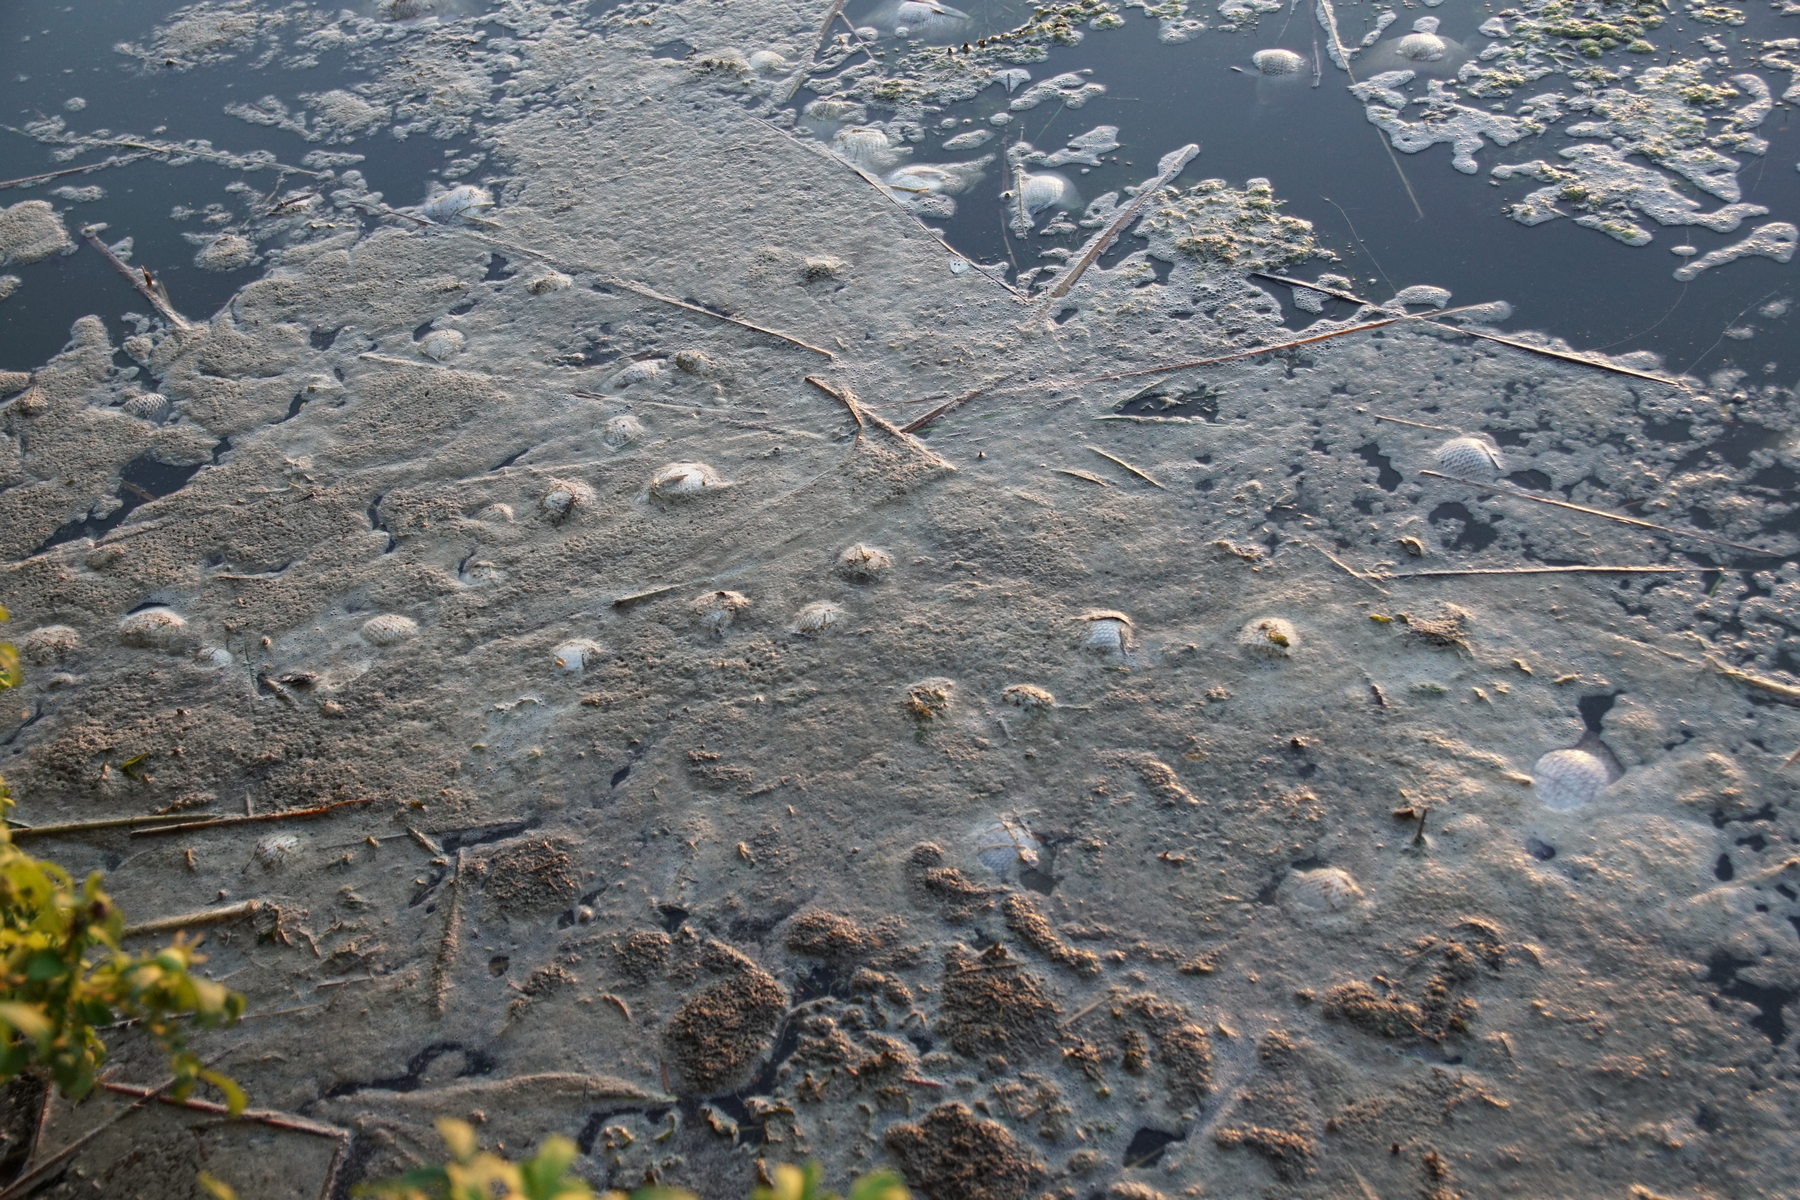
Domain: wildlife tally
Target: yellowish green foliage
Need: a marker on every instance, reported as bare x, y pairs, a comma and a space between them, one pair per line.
63, 973
474, 1174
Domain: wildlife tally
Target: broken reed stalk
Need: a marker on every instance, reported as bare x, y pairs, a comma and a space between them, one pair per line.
257, 1116
22, 833
1415, 424
142, 283
1334, 293
47, 176
29, 1182
1125, 465
841, 397
292, 814
1097, 246
445, 962
1081, 475
1544, 571
1519, 494
652, 294
947, 407
1349, 570
1565, 356
1773, 687
206, 916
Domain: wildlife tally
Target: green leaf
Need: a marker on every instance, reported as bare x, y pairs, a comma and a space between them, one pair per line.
10, 674
234, 1095
218, 1189
878, 1185
26, 1019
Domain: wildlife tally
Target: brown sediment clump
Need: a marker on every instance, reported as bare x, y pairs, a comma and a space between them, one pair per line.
950, 1155
531, 876
714, 1038
643, 954
992, 1005
834, 938
936, 884
1034, 929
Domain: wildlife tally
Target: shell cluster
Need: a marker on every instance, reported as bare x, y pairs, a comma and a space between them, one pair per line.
818, 617
621, 431
1107, 632
49, 645
575, 656
1269, 637
1006, 846
389, 629
1321, 892
563, 497
440, 345
717, 610
1567, 779
152, 629
864, 564
1277, 62
683, 479
1470, 458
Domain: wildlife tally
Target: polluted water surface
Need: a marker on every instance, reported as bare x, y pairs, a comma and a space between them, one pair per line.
1084, 600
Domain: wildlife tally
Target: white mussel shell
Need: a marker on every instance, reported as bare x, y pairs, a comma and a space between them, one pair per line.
553, 281
717, 610
767, 62
1045, 190
679, 480
636, 372
152, 629
1107, 632
277, 850
1278, 62
389, 629
441, 344
148, 407
818, 617
563, 497
49, 645
1268, 637
1006, 847
864, 564
832, 109
1470, 458
1421, 47
621, 431
1567, 779
459, 203
1321, 892
575, 656
1029, 697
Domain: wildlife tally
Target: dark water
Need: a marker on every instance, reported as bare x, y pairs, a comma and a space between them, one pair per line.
55, 50
1316, 147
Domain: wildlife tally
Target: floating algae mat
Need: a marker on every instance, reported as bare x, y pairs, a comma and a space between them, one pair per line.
705, 593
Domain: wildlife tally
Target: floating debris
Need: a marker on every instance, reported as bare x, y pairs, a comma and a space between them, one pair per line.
1775, 240
717, 610
1567, 779
1269, 637
389, 629
227, 252
684, 479
817, 617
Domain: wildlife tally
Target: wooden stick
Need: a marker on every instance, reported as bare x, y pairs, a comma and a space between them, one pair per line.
948, 407
653, 294
206, 916
843, 398
30, 180
21, 833
1316, 287
848, 399
1546, 571
1520, 494
149, 293
259, 1116
1581, 359
1225, 358
1127, 466
446, 955
1081, 475
27, 1183
1756, 681
292, 814
1098, 244
1415, 424
1350, 570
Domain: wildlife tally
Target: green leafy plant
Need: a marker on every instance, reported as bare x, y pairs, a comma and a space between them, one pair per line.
63, 973
475, 1174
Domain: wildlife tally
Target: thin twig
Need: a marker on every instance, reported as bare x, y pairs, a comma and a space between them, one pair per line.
1127, 466
27, 1183
1545, 571
843, 398
652, 294
206, 916
1098, 244
1770, 686
1350, 570
446, 955
21, 833
848, 399
1580, 359
1081, 475
1519, 494
30, 180
1225, 358
1316, 287
259, 1116
1415, 424
292, 814
948, 406
140, 282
